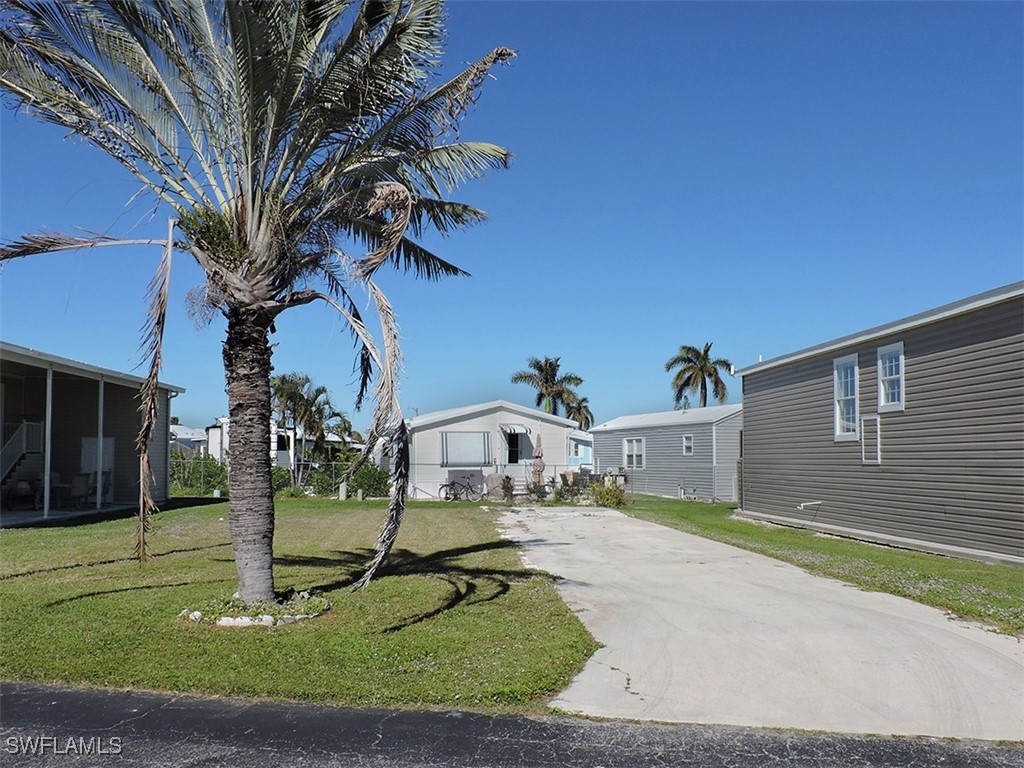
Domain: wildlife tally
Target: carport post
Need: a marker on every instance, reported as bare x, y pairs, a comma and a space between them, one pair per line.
48, 441
99, 452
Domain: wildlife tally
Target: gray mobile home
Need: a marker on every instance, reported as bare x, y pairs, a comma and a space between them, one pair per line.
911, 433
674, 453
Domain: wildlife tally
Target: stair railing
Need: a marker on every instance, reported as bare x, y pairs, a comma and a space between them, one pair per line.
27, 438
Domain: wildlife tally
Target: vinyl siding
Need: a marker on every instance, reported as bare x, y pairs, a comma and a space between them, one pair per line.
666, 469
952, 462
427, 474
727, 454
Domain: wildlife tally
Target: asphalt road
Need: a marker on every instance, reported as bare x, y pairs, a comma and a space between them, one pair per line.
166, 731
695, 631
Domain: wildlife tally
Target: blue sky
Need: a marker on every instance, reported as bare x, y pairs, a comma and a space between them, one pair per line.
763, 176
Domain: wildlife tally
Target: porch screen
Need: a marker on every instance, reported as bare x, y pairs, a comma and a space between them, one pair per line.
465, 449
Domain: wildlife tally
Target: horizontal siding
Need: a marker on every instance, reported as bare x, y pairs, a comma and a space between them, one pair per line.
952, 467
427, 474
666, 469
727, 455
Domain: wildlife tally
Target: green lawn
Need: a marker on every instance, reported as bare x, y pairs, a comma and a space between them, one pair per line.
455, 621
993, 594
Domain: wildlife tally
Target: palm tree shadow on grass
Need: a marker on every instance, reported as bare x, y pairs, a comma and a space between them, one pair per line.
138, 588
468, 585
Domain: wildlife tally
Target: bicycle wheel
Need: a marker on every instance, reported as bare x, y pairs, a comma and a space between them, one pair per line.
472, 494
446, 492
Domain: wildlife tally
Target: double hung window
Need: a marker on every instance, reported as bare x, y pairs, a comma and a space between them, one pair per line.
633, 453
847, 406
890, 378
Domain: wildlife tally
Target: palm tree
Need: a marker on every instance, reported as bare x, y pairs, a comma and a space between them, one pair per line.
553, 390
282, 135
696, 369
578, 410
286, 393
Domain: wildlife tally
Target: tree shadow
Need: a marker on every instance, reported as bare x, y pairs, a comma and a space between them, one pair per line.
115, 561
143, 587
467, 585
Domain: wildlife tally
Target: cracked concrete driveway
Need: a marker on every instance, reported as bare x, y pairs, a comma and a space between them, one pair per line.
701, 632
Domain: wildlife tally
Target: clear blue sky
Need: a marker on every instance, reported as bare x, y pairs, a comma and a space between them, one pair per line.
763, 176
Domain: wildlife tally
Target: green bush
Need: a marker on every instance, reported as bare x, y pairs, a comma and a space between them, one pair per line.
371, 480
197, 476
613, 496
280, 479
324, 479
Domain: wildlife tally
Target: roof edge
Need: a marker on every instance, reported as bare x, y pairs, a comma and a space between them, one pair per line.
425, 419
963, 306
29, 356
735, 408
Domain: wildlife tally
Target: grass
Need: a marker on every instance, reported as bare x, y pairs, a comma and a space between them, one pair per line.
455, 620
992, 594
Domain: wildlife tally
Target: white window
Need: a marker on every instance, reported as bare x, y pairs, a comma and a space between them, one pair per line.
687, 445
847, 407
890, 378
465, 449
633, 453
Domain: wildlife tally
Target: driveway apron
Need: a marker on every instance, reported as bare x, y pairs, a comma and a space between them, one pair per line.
702, 632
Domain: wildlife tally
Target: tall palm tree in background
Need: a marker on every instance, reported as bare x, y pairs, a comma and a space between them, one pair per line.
281, 134
578, 409
554, 389
696, 369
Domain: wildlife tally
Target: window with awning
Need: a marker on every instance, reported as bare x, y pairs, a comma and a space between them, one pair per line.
514, 429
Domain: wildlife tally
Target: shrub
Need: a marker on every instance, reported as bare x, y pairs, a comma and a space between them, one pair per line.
371, 480
280, 478
197, 476
324, 479
613, 496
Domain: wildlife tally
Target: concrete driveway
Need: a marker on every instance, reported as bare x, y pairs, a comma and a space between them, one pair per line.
701, 632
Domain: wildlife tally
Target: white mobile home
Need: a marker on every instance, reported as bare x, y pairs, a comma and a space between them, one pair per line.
687, 453
498, 437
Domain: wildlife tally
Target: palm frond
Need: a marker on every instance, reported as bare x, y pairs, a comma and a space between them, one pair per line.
149, 395
50, 242
399, 446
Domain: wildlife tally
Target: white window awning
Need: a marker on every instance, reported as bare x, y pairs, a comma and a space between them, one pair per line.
514, 429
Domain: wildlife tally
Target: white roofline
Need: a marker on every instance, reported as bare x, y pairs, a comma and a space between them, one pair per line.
970, 304
28, 356
672, 418
418, 422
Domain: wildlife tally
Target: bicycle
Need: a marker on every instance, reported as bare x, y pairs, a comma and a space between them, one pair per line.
455, 490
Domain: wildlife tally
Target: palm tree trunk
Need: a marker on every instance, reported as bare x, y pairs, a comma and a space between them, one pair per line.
251, 506
703, 392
